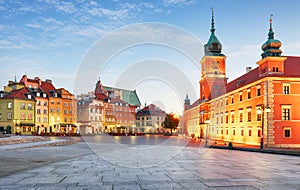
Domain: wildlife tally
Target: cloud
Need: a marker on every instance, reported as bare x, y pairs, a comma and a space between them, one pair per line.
91, 32
178, 2
7, 44
66, 7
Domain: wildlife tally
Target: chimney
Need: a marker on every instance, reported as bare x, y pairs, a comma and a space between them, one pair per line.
48, 81
248, 69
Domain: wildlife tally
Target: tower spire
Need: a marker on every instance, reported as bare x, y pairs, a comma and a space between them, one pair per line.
212, 21
271, 33
213, 46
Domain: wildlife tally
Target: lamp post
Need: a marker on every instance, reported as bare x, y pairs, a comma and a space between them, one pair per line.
261, 111
206, 133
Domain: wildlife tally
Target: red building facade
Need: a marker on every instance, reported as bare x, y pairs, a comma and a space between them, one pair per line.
259, 107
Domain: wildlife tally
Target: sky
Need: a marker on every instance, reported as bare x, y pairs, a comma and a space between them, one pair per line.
153, 47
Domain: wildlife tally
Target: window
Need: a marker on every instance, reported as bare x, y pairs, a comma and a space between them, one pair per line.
258, 91
259, 133
38, 111
58, 110
226, 117
9, 115
52, 101
38, 119
9, 105
249, 93
286, 112
38, 103
233, 132
241, 97
221, 118
65, 103
242, 132
66, 119
30, 106
58, 102
249, 115
23, 106
45, 111
249, 132
287, 132
71, 111
29, 116
52, 110
71, 104
226, 101
45, 103
232, 117
23, 116
45, 119
65, 111
241, 116
226, 131
286, 88
232, 100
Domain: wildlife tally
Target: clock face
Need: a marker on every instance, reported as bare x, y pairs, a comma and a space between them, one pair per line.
215, 64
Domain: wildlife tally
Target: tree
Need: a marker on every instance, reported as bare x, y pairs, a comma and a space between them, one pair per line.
171, 122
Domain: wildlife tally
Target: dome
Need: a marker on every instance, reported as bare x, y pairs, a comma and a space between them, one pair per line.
272, 46
213, 45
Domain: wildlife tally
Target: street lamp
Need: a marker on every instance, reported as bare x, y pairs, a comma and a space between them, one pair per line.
261, 111
207, 123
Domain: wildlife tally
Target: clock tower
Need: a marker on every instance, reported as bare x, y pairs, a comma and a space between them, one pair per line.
213, 67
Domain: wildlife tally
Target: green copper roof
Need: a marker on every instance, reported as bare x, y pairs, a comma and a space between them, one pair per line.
128, 96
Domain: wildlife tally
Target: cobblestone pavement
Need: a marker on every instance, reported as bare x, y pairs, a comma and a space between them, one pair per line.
192, 167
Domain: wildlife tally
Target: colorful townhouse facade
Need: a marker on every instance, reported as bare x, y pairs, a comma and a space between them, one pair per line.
150, 119
17, 109
115, 110
259, 108
90, 114
33, 106
59, 114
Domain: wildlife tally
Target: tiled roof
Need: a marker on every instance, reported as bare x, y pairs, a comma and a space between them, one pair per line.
243, 80
47, 87
20, 94
195, 104
292, 66
128, 96
151, 110
291, 69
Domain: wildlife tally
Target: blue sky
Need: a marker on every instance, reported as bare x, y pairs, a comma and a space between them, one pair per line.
50, 38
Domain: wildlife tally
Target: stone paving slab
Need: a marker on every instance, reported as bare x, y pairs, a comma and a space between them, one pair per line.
190, 169
54, 142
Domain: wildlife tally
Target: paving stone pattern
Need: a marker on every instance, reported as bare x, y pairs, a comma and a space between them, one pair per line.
192, 168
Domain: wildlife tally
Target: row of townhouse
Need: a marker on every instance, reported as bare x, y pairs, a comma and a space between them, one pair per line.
259, 108
33, 106
115, 110
107, 109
